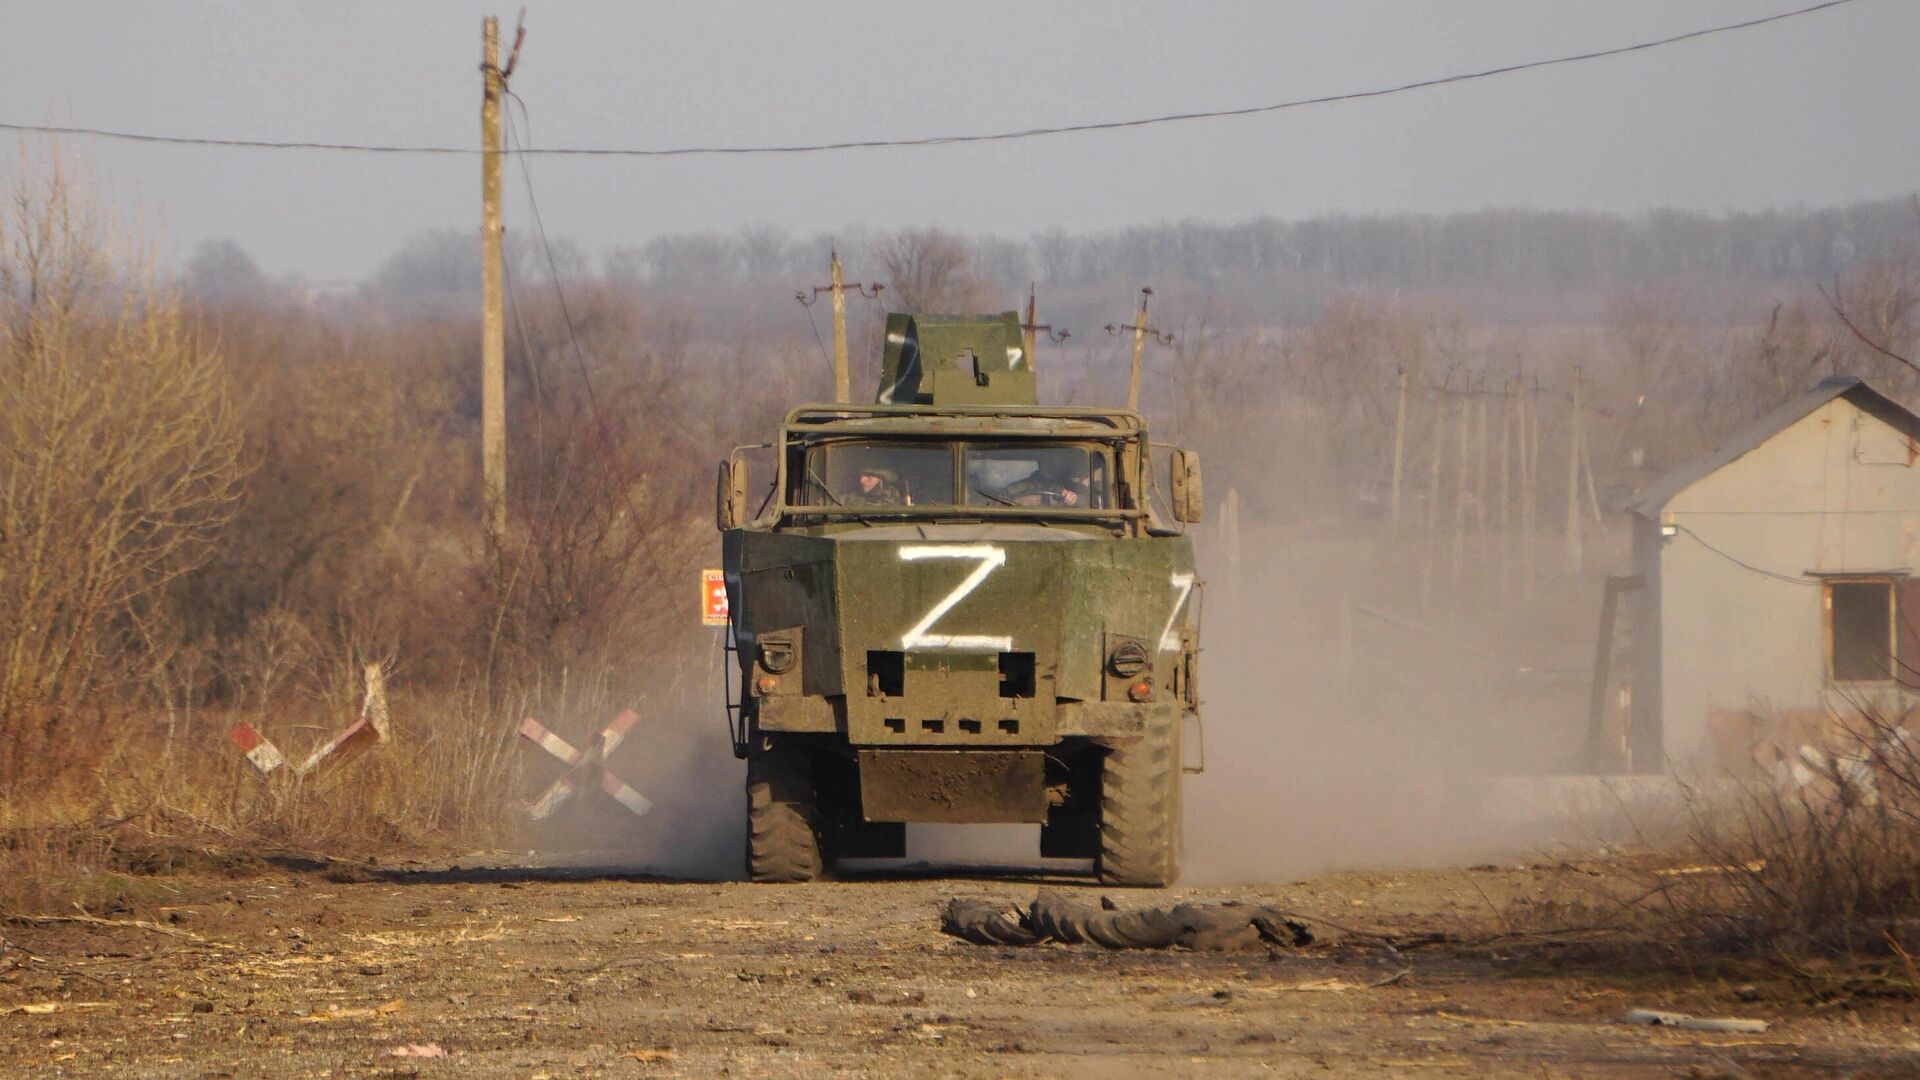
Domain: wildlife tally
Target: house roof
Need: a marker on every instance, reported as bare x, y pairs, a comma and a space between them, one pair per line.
1658, 494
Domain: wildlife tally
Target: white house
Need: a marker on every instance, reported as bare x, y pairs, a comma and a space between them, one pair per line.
1780, 582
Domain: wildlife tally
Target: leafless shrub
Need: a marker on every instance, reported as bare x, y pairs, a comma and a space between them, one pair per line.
120, 448
1814, 864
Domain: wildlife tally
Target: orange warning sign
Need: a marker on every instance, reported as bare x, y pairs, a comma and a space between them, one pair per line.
713, 598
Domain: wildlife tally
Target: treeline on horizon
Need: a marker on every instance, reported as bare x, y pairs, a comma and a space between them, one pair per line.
1507, 265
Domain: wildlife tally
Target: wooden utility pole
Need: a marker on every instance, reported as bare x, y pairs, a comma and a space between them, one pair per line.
1480, 464
1504, 520
1399, 445
1030, 330
1586, 469
493, 325
1433, 496
1574, 552
1139, 342
1140, 331
1530, 438
842, 380
1433, 471
1461, 473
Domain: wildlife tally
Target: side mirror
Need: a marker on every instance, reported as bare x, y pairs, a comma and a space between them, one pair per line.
1183, 487
730, 501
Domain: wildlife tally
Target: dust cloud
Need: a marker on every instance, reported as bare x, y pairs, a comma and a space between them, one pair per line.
680, 757
1344, 727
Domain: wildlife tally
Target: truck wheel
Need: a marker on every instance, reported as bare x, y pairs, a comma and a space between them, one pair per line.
783, 843
1140, 811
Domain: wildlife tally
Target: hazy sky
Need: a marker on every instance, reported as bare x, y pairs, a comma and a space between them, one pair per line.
1811, 111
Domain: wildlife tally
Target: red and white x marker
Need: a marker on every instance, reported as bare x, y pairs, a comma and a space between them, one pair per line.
585, 767
362, 734
261, 753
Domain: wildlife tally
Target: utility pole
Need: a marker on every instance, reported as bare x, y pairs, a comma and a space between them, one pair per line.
1032, 324
1480, 462
1505, 516
1399, 444
1461, 475
1029, 330
1140, 331
493, 326
1530, 483
1586, 468
842, 380
1433, 495
1574, 552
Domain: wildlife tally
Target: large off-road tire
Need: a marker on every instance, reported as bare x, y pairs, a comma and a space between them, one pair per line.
1140, 811
783, 836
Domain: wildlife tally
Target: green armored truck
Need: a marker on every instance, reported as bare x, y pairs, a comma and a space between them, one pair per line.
957, 605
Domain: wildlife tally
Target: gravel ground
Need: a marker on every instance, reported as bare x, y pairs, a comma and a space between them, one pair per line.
515, 971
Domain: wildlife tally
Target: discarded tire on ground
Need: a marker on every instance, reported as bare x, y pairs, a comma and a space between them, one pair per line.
984, 922
1052, 917
1140, 811
783, 839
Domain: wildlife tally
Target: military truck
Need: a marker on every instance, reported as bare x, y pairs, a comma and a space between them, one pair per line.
958, 605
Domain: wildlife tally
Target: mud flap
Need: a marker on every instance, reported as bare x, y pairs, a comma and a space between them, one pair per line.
851, 838
1070, 834
1072, 830
958, 786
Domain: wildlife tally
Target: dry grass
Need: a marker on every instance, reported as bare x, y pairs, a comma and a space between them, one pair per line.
1814, 871
108, 798
193, 536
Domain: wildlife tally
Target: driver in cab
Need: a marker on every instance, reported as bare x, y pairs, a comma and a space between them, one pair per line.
1049, 485
876, 486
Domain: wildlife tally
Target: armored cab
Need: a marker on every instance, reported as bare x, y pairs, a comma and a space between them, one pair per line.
957, 605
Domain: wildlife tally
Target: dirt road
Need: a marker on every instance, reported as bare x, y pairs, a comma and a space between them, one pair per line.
515, 972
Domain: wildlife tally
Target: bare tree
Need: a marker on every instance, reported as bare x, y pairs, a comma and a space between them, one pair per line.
120, 448
1771, 364
1879, 305
930, 270
762, 249
1648, 323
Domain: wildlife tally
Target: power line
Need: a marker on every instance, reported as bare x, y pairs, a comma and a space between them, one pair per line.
816, 337
559, 293
929, 140
1744, 565
560, 296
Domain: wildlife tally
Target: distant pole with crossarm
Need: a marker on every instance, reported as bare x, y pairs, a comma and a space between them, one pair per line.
1140, 331
1030, 329
842, 380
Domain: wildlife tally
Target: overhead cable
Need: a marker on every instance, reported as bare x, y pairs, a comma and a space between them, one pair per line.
928, 140
1776, 575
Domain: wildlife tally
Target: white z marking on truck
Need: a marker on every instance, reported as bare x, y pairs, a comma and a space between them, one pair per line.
1182, 588
990, 559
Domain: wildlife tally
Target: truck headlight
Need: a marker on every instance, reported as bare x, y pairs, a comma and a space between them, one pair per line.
1129, 658
776, 656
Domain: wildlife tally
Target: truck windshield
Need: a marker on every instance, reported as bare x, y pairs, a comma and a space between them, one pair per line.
1036, 475
1026, 474
878, 474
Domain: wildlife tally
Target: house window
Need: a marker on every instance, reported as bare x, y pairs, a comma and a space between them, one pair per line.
1860, 629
